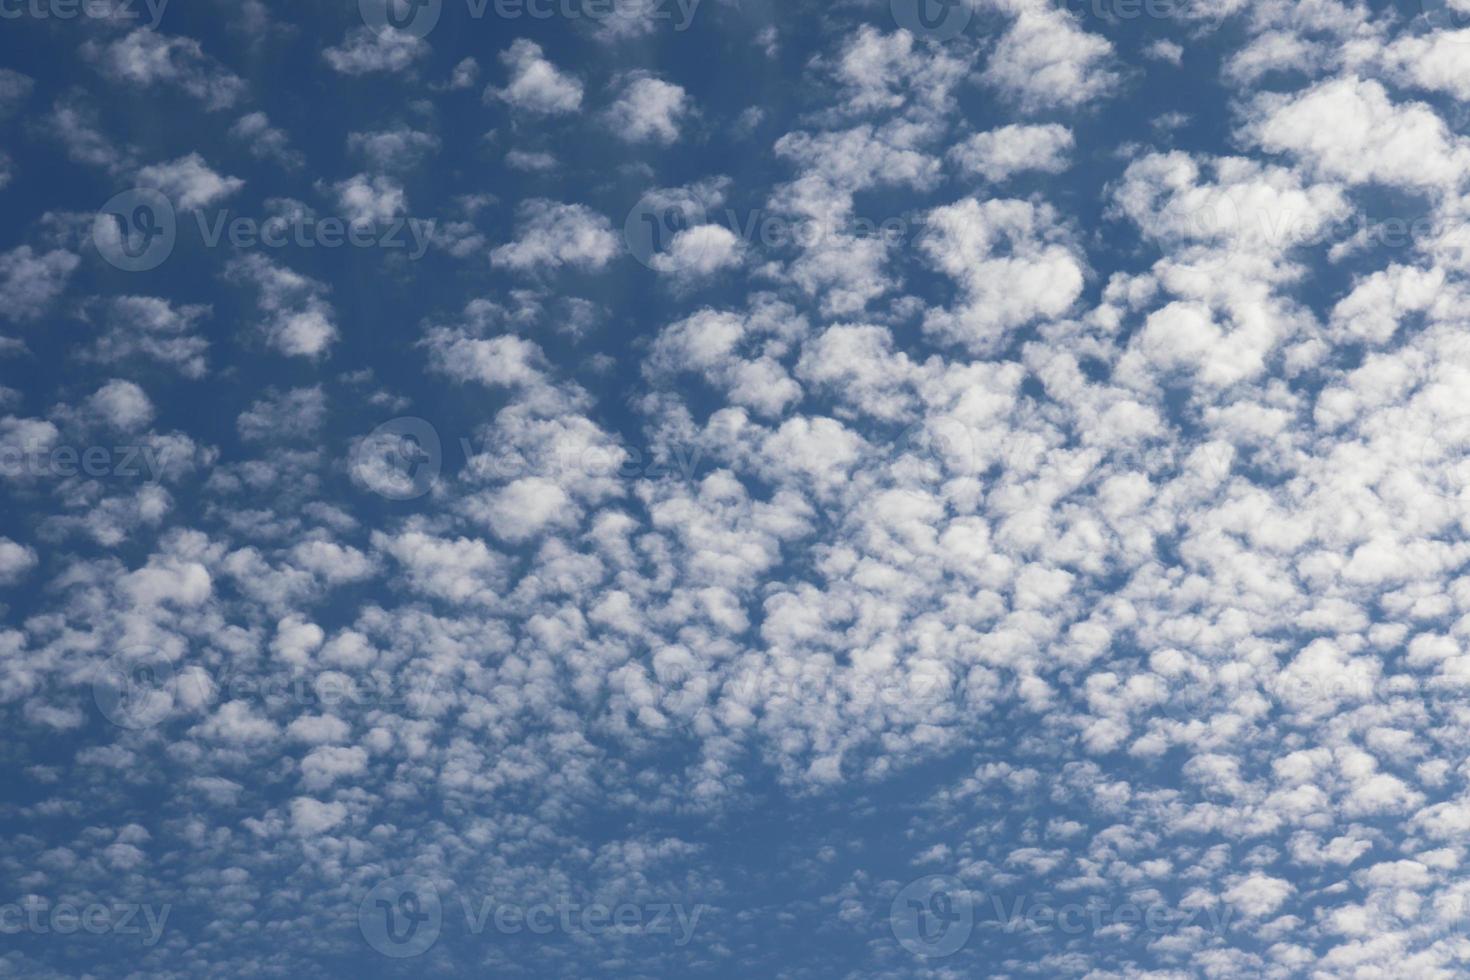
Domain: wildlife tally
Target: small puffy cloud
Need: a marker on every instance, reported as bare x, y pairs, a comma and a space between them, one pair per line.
296, 318
15, 88
1045, 61
151, 327
16, 561
532, 161
391, 150
1349, 129
121, 405
296, 640
1002, 152
648, 110
328, 764
1257, 895
458, 570
374, 199
551, 235
189, 182
1013, 262
283, 416
365, 51
311, 817
264, 141
700, 251
536, 85
31, 281
527, 507
146, 58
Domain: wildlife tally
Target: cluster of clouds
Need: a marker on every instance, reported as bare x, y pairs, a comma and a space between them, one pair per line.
1112, 550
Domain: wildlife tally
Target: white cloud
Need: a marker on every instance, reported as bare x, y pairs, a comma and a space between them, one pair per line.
1002, 152
189, 182
296, 318
145, 58
365, 51
31, 282
648, 110
1013, 263
551, 235
536, 85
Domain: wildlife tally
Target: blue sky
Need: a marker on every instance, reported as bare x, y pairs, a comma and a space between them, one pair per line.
864, 489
